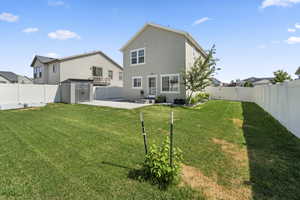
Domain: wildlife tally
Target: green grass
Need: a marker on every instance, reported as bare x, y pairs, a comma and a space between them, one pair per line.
84, 152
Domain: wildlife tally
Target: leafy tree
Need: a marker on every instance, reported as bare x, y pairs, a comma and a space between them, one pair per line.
281, 76
248, 84
199, 76
298, 72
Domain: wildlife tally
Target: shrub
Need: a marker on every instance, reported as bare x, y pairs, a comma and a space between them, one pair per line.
248, 84
200, 97
161, 99
203, 96
157, 164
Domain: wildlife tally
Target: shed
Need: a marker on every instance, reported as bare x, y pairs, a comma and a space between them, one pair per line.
76, 91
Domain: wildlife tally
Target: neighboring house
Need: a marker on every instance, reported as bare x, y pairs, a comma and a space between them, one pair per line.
215, 82
10, 77
154, 59
298, 73
94, 66
258, 81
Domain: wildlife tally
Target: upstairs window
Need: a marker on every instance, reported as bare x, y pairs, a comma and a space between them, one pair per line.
110, 74
97, 71
137, 56
54, 68
37, 72
170, 83
120, 76
34, 72
134, 57
40, 72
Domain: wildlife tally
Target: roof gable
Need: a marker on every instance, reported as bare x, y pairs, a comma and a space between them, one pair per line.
183, 33
42, 59
47, 60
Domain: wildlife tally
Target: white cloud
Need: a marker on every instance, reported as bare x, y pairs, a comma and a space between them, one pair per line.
281, 3
30, 30
297, 26
262, 46
56, 3
52, 55
63, 35
291, 30
293, 40
8, 17
200, 21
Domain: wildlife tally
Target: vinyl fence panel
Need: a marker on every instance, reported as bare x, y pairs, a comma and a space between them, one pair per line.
28, 93
282, 101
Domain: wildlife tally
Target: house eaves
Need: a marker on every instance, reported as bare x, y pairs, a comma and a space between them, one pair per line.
183, 33
85, 55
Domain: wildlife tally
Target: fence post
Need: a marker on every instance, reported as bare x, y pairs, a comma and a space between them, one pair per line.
171, 139
144, 133
18, 93
44, 86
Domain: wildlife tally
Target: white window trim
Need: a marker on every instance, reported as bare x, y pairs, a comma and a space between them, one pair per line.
150, 76
132, 82
170, 92
112, 74
121, 76
137, 54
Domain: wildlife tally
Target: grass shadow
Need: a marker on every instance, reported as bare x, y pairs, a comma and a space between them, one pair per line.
274, 155
116, 165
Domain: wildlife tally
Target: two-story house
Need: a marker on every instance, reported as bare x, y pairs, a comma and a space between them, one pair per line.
94, 66
154, 60
11, 77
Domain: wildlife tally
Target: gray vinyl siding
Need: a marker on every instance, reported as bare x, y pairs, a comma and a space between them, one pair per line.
77, 68
164, 54
53, 77
191, 55
44, 78
81, 68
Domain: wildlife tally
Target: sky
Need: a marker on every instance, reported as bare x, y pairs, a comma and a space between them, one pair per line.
252, 37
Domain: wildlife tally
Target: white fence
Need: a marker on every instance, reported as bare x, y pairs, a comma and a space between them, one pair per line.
14, 94
101, 93
282, 101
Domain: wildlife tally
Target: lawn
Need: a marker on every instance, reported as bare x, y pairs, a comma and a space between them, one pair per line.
232, 150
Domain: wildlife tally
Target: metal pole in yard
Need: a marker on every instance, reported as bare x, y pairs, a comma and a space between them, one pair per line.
171, 139
144, 133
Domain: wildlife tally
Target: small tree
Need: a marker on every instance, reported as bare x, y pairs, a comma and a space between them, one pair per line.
248, 84
281, 76
298, 72
200, 74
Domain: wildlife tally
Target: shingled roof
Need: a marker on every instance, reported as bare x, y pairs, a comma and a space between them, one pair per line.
42, 59
47, 60
12, 77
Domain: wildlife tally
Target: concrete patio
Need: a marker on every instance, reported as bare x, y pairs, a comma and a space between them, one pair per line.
115, 104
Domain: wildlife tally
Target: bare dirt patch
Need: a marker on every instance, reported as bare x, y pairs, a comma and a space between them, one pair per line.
209, 187
160, 130
238, 122
237, 153
30, 108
